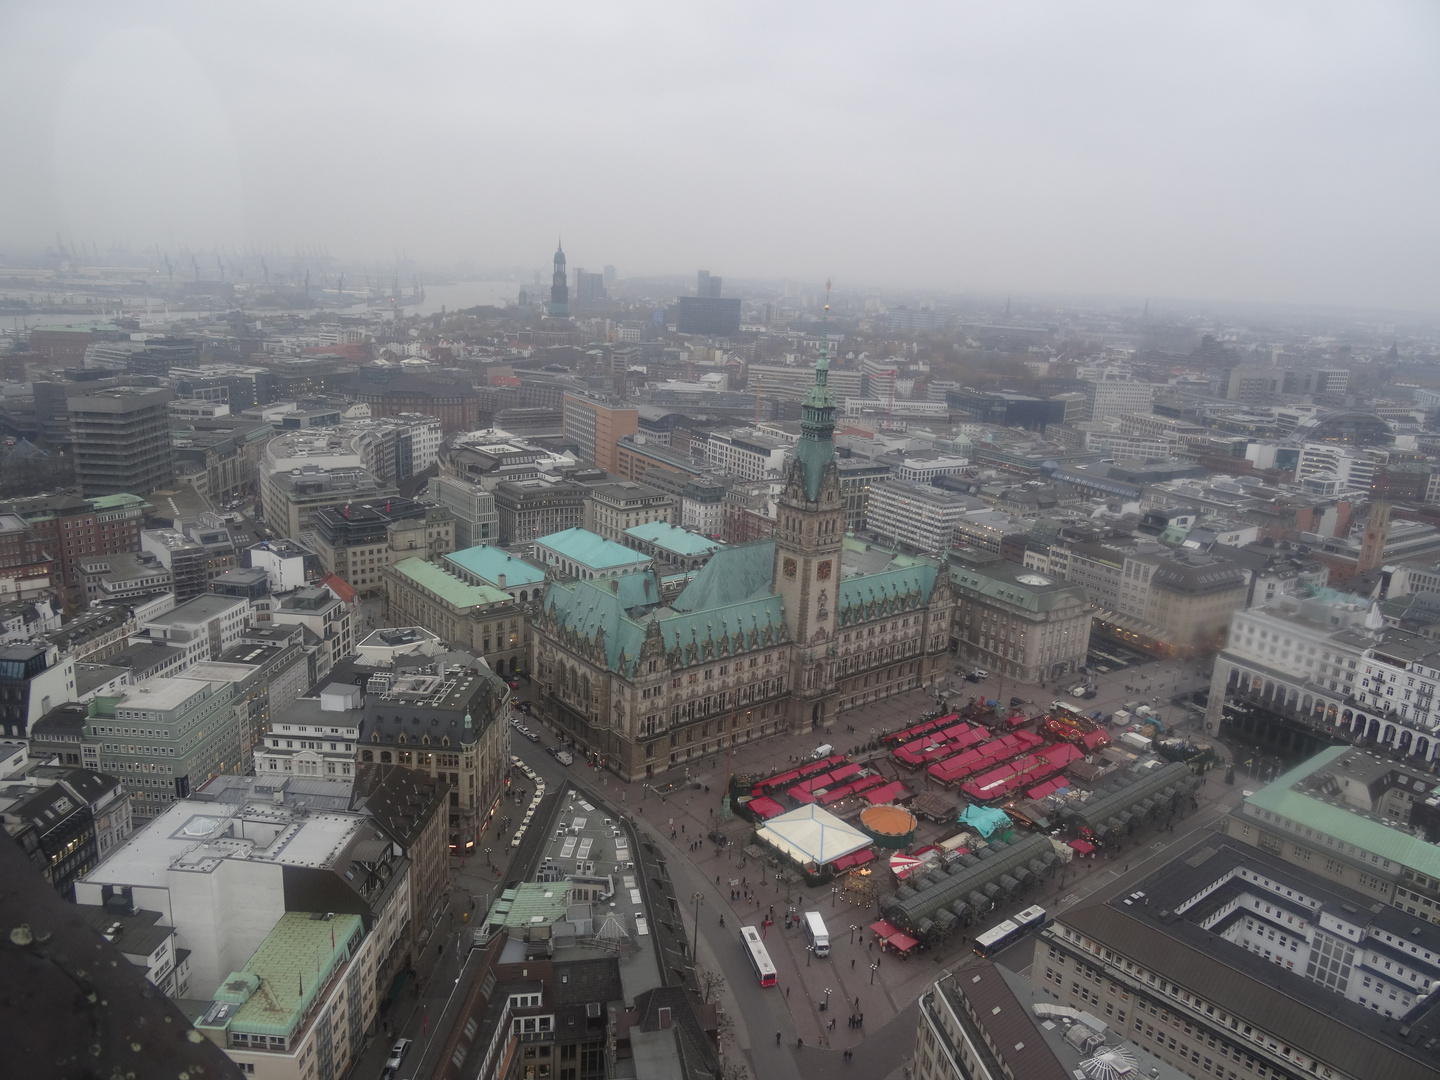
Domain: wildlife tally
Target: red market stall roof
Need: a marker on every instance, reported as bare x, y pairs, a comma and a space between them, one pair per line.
921, 728
1084, 847
855, 858
883, 929
889, 793
834, 795
766, 807
776, 781
845, 771
1049, 787
902, 941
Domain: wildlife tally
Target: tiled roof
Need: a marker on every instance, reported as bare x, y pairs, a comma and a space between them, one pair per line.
343, 590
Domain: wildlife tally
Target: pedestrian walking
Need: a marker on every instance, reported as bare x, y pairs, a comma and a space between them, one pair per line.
852, 963
777, 1038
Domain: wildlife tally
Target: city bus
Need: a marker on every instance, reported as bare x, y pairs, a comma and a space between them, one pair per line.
759, 958
1005, 934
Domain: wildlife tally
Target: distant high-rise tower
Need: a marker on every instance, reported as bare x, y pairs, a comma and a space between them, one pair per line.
707, 284
559, 288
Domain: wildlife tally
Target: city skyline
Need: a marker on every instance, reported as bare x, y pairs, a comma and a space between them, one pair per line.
1227, 155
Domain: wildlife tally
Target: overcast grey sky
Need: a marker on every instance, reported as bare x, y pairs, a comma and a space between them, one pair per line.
1249, 151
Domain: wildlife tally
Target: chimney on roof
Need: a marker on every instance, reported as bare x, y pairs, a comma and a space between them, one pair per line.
501, 581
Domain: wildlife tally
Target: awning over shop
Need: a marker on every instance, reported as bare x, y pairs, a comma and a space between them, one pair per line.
884, 929
901, 942
1084, 847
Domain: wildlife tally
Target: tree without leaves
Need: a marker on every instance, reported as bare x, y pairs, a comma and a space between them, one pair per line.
711, 982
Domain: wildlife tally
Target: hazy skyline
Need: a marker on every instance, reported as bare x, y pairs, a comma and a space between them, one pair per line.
1276, 153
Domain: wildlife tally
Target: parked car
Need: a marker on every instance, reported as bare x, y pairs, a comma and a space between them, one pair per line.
1016, 702
523, 706
397, 1055
970, 676
533, 736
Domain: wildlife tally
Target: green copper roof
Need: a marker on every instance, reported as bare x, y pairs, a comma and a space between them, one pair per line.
590, 549
733, 574
1327, 819
816, 449
488, 562
293, 963
672, 538
448, 586
896, 588
115, 502
530, 904
600, 610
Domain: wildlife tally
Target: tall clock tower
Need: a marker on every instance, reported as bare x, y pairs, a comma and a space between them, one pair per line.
809, 536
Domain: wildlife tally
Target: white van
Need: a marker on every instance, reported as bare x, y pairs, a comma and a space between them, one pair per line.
823, 751
816, 932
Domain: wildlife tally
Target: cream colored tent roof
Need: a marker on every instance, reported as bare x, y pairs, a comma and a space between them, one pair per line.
812, 834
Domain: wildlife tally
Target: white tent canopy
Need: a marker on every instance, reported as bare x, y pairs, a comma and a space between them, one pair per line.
811, 834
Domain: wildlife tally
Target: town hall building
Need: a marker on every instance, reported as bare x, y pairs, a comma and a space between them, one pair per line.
778, 635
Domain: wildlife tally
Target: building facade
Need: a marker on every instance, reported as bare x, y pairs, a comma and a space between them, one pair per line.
597, 425
610, 509
1014, 622
121, 439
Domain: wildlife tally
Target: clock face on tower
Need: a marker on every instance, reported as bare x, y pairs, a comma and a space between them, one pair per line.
822, 571
789, 567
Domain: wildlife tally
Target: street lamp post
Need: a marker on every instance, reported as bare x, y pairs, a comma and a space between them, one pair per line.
699, 898
827, 999
853, 928
873, 968
834, 895
809, 952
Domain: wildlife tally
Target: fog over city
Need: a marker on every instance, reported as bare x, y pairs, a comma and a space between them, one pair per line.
1284, 152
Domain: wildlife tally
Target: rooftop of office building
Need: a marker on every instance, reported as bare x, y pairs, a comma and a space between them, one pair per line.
198, 836
1158, 924
490, 563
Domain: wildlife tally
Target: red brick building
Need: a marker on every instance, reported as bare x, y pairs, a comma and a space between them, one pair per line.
72, 529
